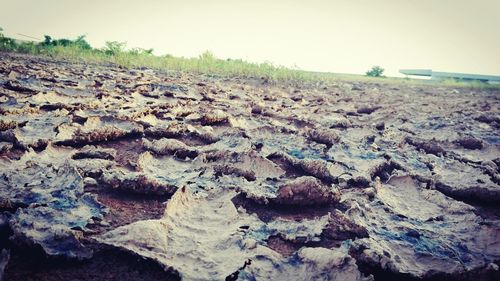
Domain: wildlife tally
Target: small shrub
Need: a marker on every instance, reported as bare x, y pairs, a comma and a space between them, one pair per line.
79, 42
141, 51
376, 71
6, 43
114, 47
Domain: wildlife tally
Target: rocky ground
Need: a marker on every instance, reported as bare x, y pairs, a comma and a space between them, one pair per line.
116, 174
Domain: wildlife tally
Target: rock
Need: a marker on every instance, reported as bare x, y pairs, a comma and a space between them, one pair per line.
34, 130
19, 86
324, 136
357, 165
380, 126
179, 130
89, 182
340, 122
307, 264
172, 130
214, 225
51, 205
493, 267
231, 170
6, 124
341, 227
225, 242
306, 191
429, 146
214, 117
166, 146
92, 152
474, 183
367, 109
420, 232
151, 176
490, 165
257, 108
470, 143
301, 231
313, 167
356, 88
54, 231
488, 118
5, 146
99, 129
136, 183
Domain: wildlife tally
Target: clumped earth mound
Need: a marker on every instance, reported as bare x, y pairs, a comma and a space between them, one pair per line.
133, 174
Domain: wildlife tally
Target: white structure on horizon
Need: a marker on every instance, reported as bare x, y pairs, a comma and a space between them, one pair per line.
450, 75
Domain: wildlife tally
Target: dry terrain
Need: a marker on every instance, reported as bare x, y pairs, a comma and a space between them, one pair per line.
108, 173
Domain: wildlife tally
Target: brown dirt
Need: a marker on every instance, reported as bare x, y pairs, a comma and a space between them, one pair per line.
354, 138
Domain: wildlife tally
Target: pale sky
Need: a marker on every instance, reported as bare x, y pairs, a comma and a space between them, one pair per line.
344, 36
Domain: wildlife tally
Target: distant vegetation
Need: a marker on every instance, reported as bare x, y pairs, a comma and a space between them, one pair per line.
116, 52
376, 71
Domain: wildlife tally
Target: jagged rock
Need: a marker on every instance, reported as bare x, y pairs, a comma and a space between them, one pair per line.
33, 180
249, 165
473, 183
324, 136
380, 126
421, 232
340, 122
89, 182
226, 242
20, 86
306, 191
231, 170
135, 182
302, 231
488, 118
37, 130
470, 143
356, 165
52, 101
429, 146
218, 243
151, 176
258, 108
314, 167
6, 124
5, 146
166, 146
56, 228
306, 264
92, 152
367, 109
49, 202
341, 227
172, 130
214, 117
99, 129
179, 130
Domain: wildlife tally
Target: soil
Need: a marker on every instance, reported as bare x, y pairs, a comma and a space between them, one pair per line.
408, 175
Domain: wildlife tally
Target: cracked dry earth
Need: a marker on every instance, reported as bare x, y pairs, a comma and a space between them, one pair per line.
116, 174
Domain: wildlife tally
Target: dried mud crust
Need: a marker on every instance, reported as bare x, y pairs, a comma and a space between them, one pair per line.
109, 173
127, 208
107, 264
